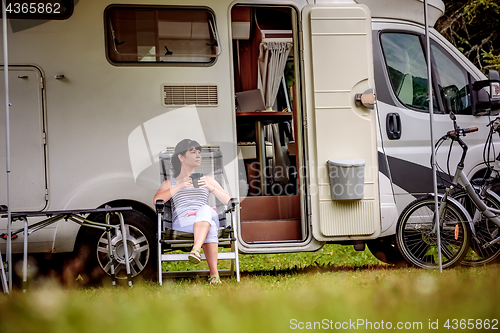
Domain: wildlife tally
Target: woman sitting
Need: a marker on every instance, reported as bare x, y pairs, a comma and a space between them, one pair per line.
190, 210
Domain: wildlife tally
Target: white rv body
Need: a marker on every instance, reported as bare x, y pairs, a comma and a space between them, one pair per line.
92, 129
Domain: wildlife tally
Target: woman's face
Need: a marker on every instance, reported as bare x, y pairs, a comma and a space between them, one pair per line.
192, 158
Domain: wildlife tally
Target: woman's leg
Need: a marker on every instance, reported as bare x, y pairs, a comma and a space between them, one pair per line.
200, 231
205, 232
211, 250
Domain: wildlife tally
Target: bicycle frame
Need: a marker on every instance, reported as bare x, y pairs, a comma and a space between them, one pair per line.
460, 179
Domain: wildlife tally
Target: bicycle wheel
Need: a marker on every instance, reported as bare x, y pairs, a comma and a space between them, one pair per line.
486, 231
418, 243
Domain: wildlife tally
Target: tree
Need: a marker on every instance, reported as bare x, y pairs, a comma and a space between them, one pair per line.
472, 26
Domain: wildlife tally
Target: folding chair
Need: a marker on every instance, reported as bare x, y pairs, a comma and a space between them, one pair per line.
171, 240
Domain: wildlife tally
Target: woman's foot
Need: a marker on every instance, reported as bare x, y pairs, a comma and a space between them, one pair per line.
194, 256
214, 280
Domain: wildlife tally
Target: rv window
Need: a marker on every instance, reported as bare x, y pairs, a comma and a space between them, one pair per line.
407, 69
161, 35
453, 82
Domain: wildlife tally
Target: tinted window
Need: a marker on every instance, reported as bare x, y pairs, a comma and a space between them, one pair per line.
453, 82
161, 35
407, 69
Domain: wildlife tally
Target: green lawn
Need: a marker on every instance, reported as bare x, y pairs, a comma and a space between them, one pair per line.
336, 285
330, 256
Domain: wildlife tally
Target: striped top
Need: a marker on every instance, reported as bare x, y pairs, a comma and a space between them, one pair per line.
187, 200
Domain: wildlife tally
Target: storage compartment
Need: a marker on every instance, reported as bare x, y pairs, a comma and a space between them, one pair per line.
347, 179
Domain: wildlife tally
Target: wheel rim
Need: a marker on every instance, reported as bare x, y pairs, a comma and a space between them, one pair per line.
138, 251
418, 243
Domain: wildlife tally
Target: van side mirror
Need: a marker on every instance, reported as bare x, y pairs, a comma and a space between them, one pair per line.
486, 95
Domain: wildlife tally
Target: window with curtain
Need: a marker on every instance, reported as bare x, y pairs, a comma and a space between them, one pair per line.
161, 35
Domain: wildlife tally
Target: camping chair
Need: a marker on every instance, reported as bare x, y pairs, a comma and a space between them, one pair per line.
171, 240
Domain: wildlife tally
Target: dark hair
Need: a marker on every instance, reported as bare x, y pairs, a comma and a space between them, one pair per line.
182, 148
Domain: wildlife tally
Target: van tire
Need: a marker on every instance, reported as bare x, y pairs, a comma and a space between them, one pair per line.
91, 264
386, 250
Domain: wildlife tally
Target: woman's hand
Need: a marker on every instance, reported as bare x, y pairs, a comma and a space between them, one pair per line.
208, 183
185, 182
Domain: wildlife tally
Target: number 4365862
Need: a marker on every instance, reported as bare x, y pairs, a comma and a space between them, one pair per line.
33, 8
471, 324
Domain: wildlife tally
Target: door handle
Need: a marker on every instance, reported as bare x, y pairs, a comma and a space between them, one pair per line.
393, 126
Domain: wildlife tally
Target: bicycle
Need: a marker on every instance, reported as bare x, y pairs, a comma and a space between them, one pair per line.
416, 231
486, 231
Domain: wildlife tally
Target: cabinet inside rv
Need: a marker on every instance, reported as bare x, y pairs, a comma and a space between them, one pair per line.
268, 118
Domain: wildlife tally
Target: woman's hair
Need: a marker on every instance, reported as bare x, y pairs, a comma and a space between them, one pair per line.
182, 148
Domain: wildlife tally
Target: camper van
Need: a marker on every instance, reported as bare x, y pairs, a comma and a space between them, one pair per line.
319, 109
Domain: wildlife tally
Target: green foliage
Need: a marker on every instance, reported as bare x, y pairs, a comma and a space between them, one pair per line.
472, 26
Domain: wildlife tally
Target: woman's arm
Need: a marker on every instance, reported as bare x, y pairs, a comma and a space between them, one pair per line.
167, 191
214, 187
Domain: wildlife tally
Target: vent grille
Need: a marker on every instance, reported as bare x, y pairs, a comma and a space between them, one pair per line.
206, 95
347, 218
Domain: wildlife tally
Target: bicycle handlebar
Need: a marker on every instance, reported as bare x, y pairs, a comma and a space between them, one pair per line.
462, 132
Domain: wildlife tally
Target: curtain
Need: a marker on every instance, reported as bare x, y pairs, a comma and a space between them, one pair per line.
272, 61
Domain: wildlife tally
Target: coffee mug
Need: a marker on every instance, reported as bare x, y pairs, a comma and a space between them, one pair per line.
195, 176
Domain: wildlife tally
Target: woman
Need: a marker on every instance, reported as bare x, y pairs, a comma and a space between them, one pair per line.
190, 209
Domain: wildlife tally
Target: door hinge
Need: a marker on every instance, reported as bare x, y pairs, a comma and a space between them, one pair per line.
41, 82
44, 137
46, 194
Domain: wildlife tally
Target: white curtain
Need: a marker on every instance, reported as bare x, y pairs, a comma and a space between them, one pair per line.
272, 61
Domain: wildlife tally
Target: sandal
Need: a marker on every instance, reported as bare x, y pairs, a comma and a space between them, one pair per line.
194, 256
214, 280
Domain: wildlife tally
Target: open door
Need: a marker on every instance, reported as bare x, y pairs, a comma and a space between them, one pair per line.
338, 64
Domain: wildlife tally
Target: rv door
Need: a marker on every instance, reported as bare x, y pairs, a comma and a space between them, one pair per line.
338, 66
27, 140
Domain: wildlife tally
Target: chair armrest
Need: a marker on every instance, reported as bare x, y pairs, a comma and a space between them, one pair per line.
160, 206
231, 204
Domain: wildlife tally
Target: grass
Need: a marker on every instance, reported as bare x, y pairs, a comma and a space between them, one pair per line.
328, 256
339, 286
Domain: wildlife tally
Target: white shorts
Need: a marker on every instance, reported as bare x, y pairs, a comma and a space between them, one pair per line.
204, 214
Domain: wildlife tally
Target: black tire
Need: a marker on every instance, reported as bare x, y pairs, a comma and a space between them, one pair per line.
486, 231
418, 244
386, 250
141, 239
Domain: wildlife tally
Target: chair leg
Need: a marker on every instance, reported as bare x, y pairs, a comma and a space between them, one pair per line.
234, 245
158, 241
3, 277
233, 270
